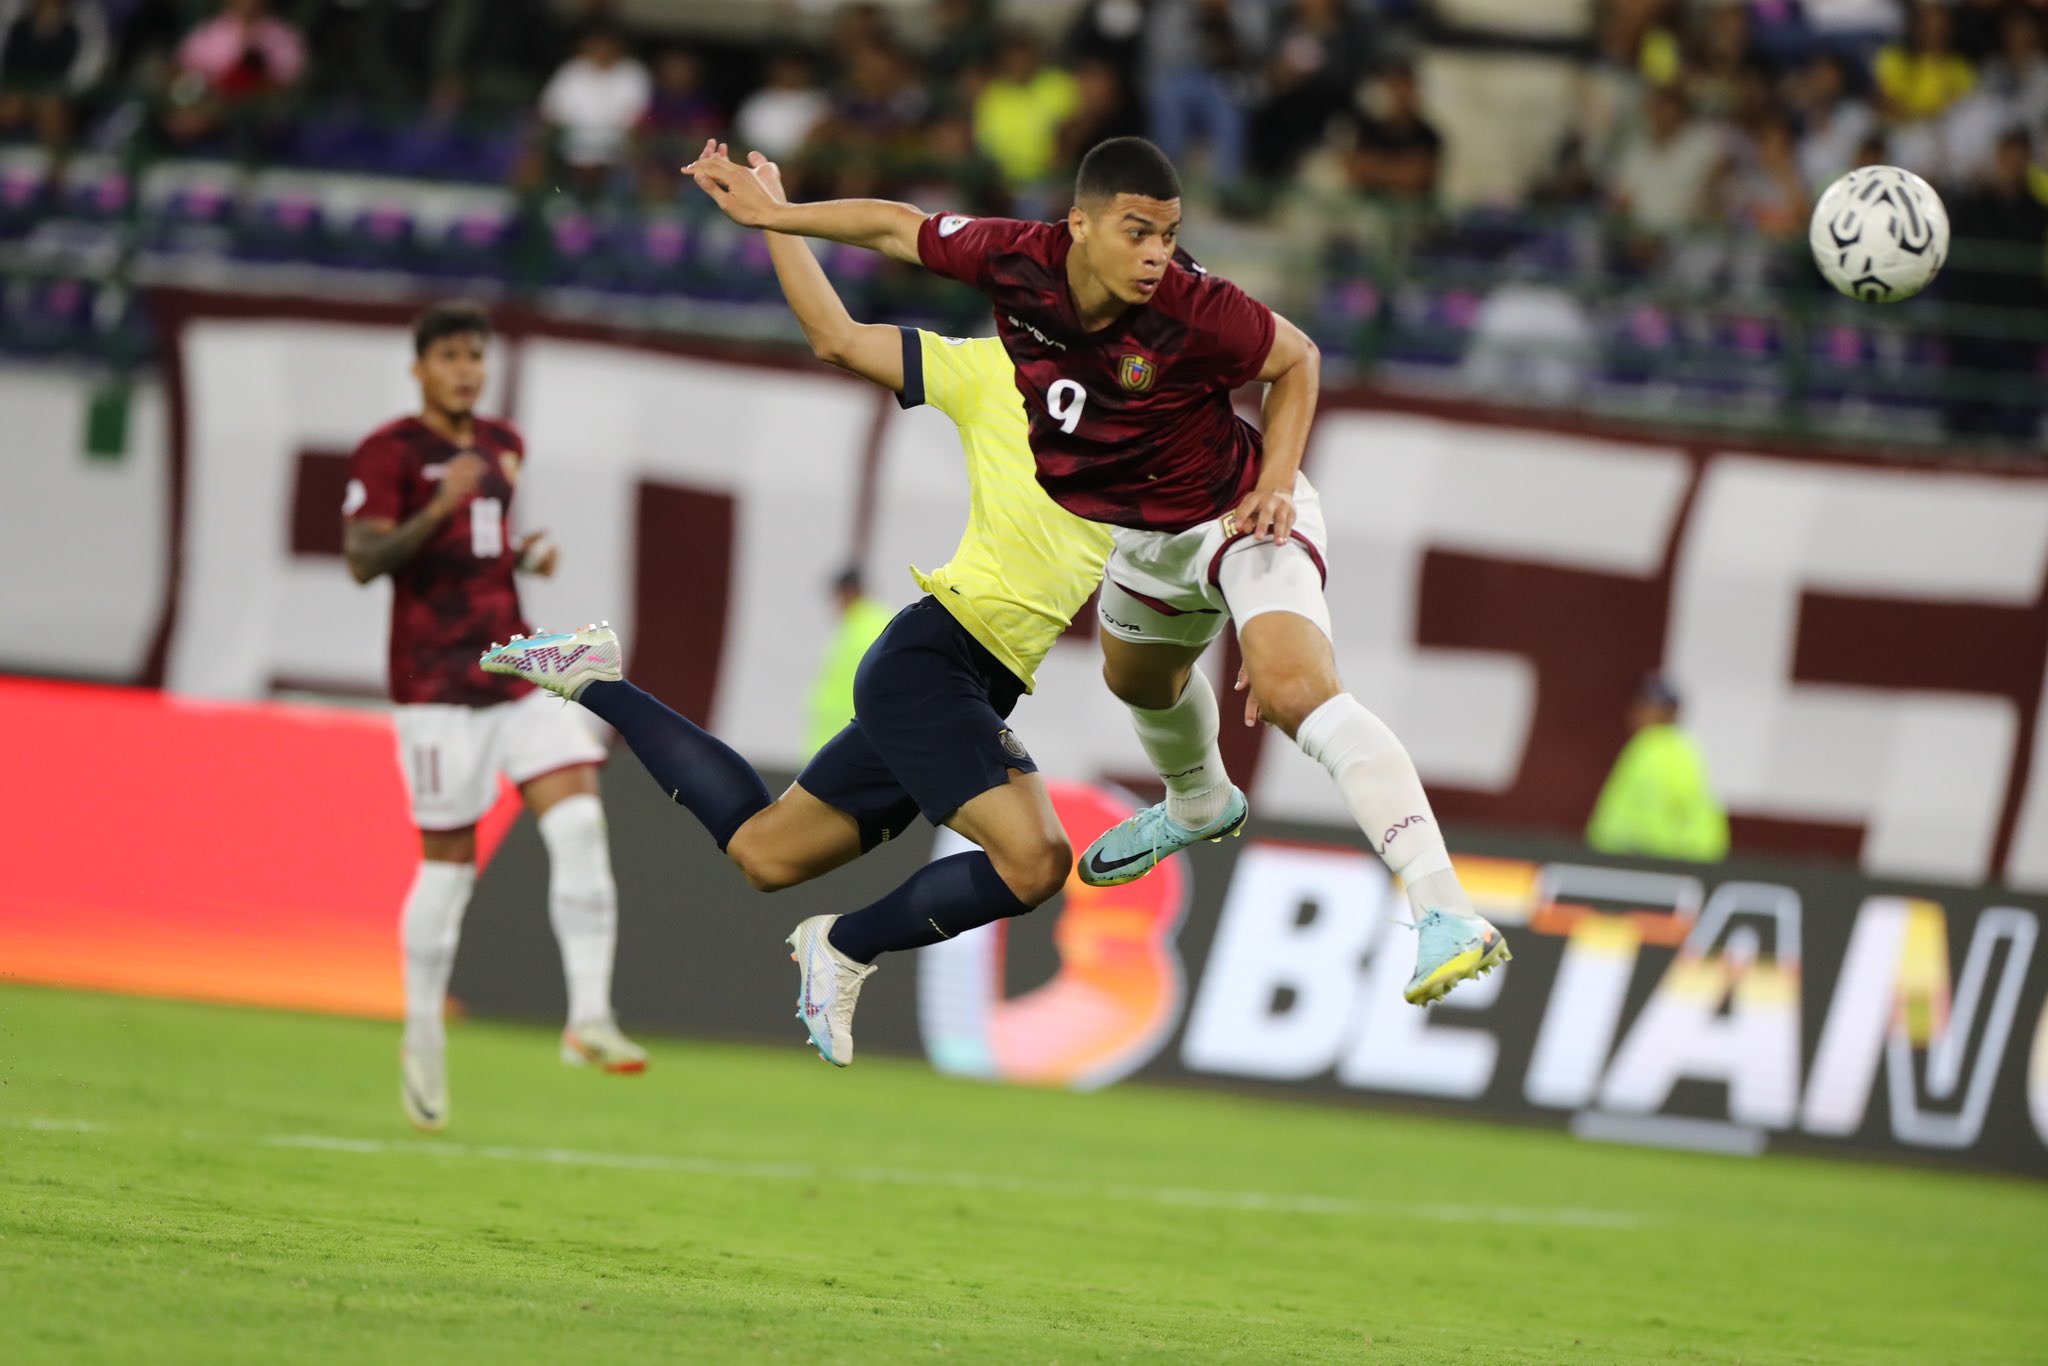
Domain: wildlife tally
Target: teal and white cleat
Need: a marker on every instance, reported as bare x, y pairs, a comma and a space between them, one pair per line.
1124, 853
563, 662
828, 986
423, 1085
1450, 949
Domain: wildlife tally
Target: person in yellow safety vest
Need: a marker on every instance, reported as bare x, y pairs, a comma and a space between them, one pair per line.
861, 619
1657, 803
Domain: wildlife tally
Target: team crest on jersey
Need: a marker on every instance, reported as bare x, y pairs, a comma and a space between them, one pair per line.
509, 462
1012, 746
1136, 373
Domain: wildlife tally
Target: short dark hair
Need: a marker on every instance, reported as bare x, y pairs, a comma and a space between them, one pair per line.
1125, 166
456, 318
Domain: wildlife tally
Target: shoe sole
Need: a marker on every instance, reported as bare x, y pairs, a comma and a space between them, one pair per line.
810, 1039
1473, 963
576, 1056
1120, 877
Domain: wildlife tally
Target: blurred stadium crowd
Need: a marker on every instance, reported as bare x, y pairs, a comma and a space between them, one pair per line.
1607, 211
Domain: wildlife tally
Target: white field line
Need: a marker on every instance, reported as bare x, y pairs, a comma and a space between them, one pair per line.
1264, 1202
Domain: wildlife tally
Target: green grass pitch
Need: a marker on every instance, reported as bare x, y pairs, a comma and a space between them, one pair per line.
192, 1183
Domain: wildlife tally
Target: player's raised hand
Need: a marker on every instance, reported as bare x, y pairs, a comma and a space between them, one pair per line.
733, 188
1267, 514
770, 176
460, 480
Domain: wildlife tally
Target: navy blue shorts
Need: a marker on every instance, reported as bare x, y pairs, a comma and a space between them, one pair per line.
928, 732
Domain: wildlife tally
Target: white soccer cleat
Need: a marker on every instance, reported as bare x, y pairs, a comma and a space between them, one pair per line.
563, 662
828, 986
598, 1043
423, 1086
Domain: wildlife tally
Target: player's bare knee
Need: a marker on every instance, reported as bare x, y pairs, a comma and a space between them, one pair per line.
1138, 688
1037, 873
763, 867
1288, 696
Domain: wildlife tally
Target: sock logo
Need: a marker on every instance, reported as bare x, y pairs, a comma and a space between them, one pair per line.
1387, 840
1184, 772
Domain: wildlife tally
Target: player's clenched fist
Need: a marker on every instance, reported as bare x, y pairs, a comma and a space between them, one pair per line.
460, 481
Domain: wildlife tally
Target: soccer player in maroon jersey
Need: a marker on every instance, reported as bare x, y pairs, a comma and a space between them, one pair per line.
429, 504
1126, 353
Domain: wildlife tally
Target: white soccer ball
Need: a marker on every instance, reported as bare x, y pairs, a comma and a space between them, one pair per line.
1879, 234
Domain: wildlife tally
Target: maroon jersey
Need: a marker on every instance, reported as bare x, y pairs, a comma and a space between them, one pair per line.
453, 599
1131, 425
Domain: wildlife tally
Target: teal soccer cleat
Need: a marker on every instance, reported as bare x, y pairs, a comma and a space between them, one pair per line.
563, 662
1124, 853
1451, 949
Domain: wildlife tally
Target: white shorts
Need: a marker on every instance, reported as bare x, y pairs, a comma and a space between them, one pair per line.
1179, 587
451, 756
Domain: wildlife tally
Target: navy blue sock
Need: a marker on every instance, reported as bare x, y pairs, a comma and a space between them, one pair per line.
942, 899
695, 767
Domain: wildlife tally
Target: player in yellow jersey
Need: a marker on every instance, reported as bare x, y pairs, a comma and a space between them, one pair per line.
931, 699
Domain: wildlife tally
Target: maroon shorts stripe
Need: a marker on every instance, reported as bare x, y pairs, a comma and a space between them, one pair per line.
1216, 561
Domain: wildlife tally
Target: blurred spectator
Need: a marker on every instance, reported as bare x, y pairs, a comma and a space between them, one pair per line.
1721, 61
1111, 31
1766, 192
954, 171
878, 100
233, 67
378, 49
1658, 802
593, 103
1660, 180
860, 620
1195, 59
680, 115
1104, 110
1999, 232
778, 117
963, 38
1833, 122
493, 56
1922, 77
1318, 57
2016, 76
1020, 110
51, 52
1398, 152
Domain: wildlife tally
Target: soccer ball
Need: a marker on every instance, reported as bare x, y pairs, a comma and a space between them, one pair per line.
1879, 234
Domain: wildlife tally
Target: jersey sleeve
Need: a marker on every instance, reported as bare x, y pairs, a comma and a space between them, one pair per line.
960, 247
374, 482
1230, 332
946, 372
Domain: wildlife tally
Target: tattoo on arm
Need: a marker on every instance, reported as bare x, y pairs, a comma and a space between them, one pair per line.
374, 546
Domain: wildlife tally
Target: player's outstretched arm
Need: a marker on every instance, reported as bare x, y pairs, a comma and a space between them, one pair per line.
1294, 369
377, 545
871, 350
877, 224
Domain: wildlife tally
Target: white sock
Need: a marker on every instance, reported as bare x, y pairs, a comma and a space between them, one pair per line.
1380, 785
582, 902
1181, 743
429, 930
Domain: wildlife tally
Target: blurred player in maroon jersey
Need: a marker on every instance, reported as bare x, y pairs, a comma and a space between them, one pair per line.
429, 503
1126, 353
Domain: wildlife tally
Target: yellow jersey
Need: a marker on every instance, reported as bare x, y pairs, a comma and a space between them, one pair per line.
1025, 565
